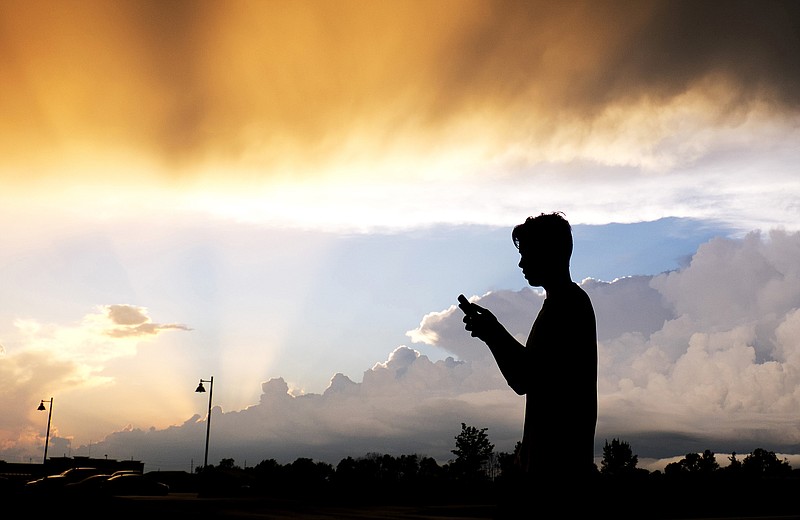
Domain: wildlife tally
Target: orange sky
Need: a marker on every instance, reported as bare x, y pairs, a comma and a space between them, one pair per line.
261, 89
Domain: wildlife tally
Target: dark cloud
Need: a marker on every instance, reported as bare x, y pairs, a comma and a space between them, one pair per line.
129, 320
190, 81
127, 314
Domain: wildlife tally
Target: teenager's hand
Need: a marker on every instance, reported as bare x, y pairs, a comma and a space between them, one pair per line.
479, 321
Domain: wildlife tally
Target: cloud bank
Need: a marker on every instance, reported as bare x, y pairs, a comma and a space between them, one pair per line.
703, 357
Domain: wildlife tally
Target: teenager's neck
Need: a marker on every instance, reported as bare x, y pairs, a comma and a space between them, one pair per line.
557, 284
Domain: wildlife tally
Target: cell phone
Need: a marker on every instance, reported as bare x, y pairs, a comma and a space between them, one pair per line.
465, 305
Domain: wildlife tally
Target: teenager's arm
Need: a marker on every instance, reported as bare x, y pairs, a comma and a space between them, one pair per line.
507, 351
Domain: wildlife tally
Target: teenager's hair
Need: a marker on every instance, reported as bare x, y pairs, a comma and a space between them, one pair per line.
552, 230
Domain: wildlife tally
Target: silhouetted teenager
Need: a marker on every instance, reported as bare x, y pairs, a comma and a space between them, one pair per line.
556, 369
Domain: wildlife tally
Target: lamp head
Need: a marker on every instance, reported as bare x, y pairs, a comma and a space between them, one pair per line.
41, 406
200, 387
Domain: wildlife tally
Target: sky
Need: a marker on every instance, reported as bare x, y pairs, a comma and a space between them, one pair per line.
289, 196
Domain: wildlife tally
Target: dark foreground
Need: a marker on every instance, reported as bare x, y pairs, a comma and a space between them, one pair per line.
192, 506
618, 499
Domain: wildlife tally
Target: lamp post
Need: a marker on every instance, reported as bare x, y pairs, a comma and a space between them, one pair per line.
47, 436
200, 388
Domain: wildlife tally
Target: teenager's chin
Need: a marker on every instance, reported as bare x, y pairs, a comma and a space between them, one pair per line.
533, 283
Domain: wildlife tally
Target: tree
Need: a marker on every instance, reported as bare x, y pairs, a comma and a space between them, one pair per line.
509, 462
618, 459
734, 468
429, 469
268, 470
227, 464
408, 467
708, 462
473, 451
694, 464
763, 463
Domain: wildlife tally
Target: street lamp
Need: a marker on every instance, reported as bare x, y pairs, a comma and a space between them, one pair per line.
200, 388
49, 416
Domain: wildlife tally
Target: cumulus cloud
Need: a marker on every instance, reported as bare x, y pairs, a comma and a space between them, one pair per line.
721, 367
446, 330
675, 376
406, 404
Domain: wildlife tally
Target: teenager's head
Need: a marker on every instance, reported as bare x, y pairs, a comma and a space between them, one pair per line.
545, 246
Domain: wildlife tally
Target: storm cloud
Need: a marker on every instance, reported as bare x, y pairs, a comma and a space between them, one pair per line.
266, 84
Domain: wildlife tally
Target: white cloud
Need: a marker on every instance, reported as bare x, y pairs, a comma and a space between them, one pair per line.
407, 404
724, 367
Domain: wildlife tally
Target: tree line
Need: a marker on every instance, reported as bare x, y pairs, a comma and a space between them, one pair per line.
620, 461
475, 469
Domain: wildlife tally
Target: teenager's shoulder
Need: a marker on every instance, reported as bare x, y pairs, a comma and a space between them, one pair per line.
577, 293
576, 289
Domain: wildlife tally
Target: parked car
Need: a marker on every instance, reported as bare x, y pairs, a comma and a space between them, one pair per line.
56, 483
91, 485
126, 472
133, 484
